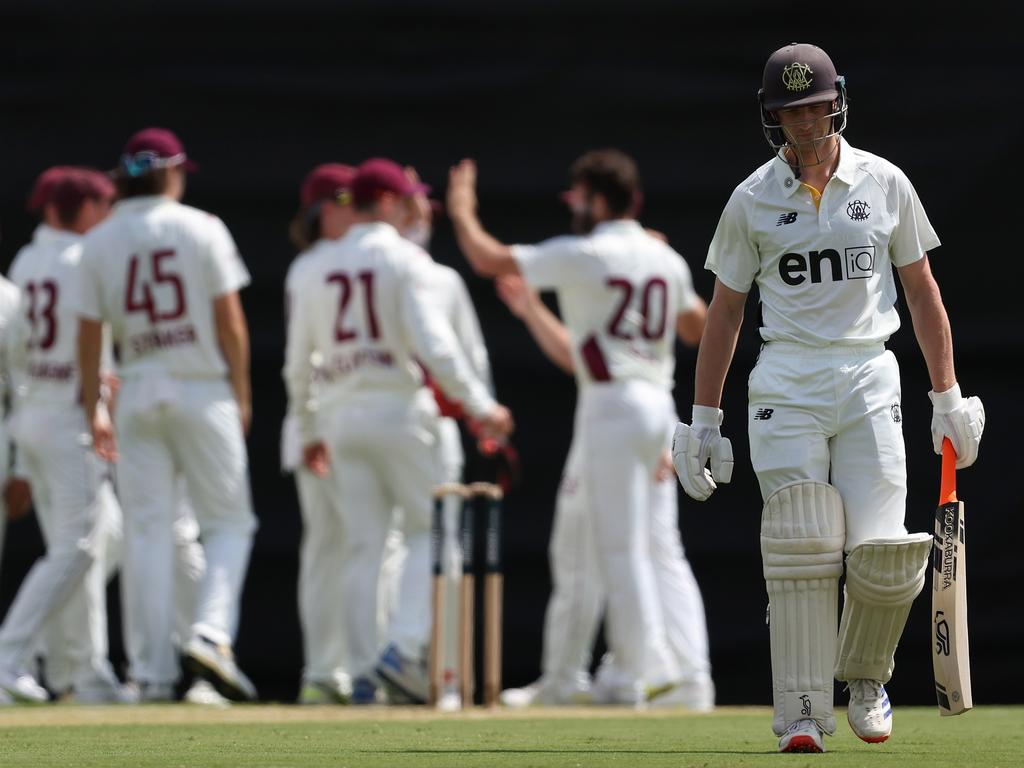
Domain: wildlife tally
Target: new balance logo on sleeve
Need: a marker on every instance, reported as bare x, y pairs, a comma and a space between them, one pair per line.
786, 218
763, 414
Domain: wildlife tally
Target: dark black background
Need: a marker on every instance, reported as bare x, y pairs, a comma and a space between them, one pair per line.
260, 92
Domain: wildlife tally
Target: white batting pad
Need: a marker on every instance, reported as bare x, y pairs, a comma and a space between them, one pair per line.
883, 576
802, 535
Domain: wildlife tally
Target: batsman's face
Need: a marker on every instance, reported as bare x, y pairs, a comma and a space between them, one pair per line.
807, 124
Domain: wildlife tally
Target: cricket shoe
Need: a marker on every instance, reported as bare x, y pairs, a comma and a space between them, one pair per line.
103, 693
204, 694
324, 692
364, 692
802, 736
405, 677
148, 693
695, 695
216, 663
869, 713
613, 687
23, 688
546, 692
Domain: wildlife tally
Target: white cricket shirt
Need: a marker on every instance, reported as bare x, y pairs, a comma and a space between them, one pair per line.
825, 275
8, 317
619, 292
452, 298
366, 303
152, 270
46, 332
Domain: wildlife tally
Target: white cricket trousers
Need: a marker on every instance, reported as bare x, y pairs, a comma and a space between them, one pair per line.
319, 587
578, 596
5, 462
65, 646
192, 430
832, 414
77, 659
384, 455
621, 428
57, 456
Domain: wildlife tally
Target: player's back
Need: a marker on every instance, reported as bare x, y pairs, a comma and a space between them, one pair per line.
47, 331
622, 305
354, 294
454, 301
153, 270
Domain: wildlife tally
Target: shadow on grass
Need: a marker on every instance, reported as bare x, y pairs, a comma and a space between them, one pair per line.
565, 751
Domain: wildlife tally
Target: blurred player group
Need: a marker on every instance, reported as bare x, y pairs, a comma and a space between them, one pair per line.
127, 363
126, 348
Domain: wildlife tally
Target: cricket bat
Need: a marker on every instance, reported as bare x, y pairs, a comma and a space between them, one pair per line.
951, 660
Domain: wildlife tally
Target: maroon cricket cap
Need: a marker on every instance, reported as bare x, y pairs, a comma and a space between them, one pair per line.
76, 185
377, 176
40, 194
154, 148
796, 75
326, 182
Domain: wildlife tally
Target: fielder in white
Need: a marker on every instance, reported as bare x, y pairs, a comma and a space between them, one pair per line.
577, 596
366, 308
325, 214
451, 297
623, 293
53, 446
8, 313
166, 277
820, 229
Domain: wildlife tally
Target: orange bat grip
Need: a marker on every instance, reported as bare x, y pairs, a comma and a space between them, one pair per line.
947, 490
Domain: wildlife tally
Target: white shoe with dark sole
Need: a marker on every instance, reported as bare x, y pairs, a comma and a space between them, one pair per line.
216, 664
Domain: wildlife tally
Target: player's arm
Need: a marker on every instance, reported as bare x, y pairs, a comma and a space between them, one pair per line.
233, 339
90, 348
718, 344
433, 340
546, 329
931, 324
298, 377
690, 323
486, 255
960, 419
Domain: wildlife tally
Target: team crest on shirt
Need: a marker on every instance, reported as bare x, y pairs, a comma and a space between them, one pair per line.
897, 415
858, 210
797, 76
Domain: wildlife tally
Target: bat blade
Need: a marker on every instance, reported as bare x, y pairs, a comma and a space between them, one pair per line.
950, 650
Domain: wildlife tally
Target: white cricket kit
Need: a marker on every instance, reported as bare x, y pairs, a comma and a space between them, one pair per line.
319, 584
620, 291
824, 407
153, 270
55, 454
577, 597
8, 310
366, 305
452, 297
824, 397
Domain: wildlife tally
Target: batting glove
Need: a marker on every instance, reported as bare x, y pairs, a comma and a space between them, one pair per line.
693, 445
960, 419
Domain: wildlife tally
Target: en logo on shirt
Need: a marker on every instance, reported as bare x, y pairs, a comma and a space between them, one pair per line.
856, 264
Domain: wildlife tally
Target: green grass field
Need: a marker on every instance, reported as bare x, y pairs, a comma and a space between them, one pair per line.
251, 736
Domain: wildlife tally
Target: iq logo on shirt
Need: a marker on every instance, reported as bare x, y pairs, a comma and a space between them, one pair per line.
855, 264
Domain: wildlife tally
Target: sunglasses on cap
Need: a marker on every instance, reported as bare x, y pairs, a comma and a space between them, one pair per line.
145, 161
